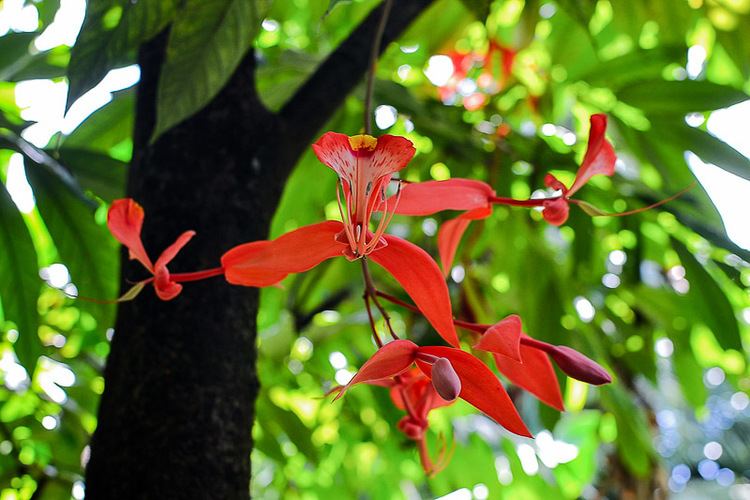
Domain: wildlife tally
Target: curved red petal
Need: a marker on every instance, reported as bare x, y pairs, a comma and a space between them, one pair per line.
265, 263
420, 277
125, 220
553, 182
169, 253
535, 375
600, 156
479, 387
556, 211
451, 232
504, 337
168, 291
333, 149
392, 153
388, 361
426, 198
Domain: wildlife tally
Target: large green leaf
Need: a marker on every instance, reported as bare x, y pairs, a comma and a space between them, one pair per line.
679, 97
84, 246
107, 126
709, 301
710, 149
207, 41
19, 280
98, 172
111, 32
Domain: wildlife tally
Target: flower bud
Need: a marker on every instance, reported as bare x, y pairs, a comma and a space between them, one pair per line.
445, 380
578, 366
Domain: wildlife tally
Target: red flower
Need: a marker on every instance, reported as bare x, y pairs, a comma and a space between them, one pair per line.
476, 198
599, 159
452, 372
525, 360
364, 165
125, 220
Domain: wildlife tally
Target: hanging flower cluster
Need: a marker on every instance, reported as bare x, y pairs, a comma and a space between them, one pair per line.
420, 378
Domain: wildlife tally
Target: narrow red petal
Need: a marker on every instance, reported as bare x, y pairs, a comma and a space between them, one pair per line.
170, 252
535, 374
265, 263
556, 211
600, 156
479, 387
426, 198
388, 361
420, 277
504, 337
125, 220
451, 232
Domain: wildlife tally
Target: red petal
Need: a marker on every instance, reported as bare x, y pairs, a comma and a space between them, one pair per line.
535, 374
333, 149
420, 277
556, 211
388, 361
170, 252
265, 263
451, 232
600, 156
503, 338
392, 153
125, 220
479, 387
168, 291
553, 182
426, 198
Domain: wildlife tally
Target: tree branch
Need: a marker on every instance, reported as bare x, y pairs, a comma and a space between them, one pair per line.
319, 97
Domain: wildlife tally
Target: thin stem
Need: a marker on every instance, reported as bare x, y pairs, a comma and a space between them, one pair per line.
375, 335
474, 327
643, 209
373, 63
197, 275
535, 202
372, 292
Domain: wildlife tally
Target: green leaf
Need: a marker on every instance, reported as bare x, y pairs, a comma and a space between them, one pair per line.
712, 150
107, 127
98, 172
19, 281
84, 246
14, 53
111, 32
591, 209
709, 301
207, 41
679, 97
480, 8
633, 436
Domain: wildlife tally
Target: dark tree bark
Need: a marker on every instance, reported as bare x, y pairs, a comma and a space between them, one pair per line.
176, 415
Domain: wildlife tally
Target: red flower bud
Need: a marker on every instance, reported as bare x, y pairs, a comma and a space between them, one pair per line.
578, 366
445, 380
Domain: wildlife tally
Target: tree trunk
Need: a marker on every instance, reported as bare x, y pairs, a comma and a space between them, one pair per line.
175, 420
176, 415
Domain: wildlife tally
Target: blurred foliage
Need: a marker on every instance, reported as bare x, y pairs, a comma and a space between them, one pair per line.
660, 298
